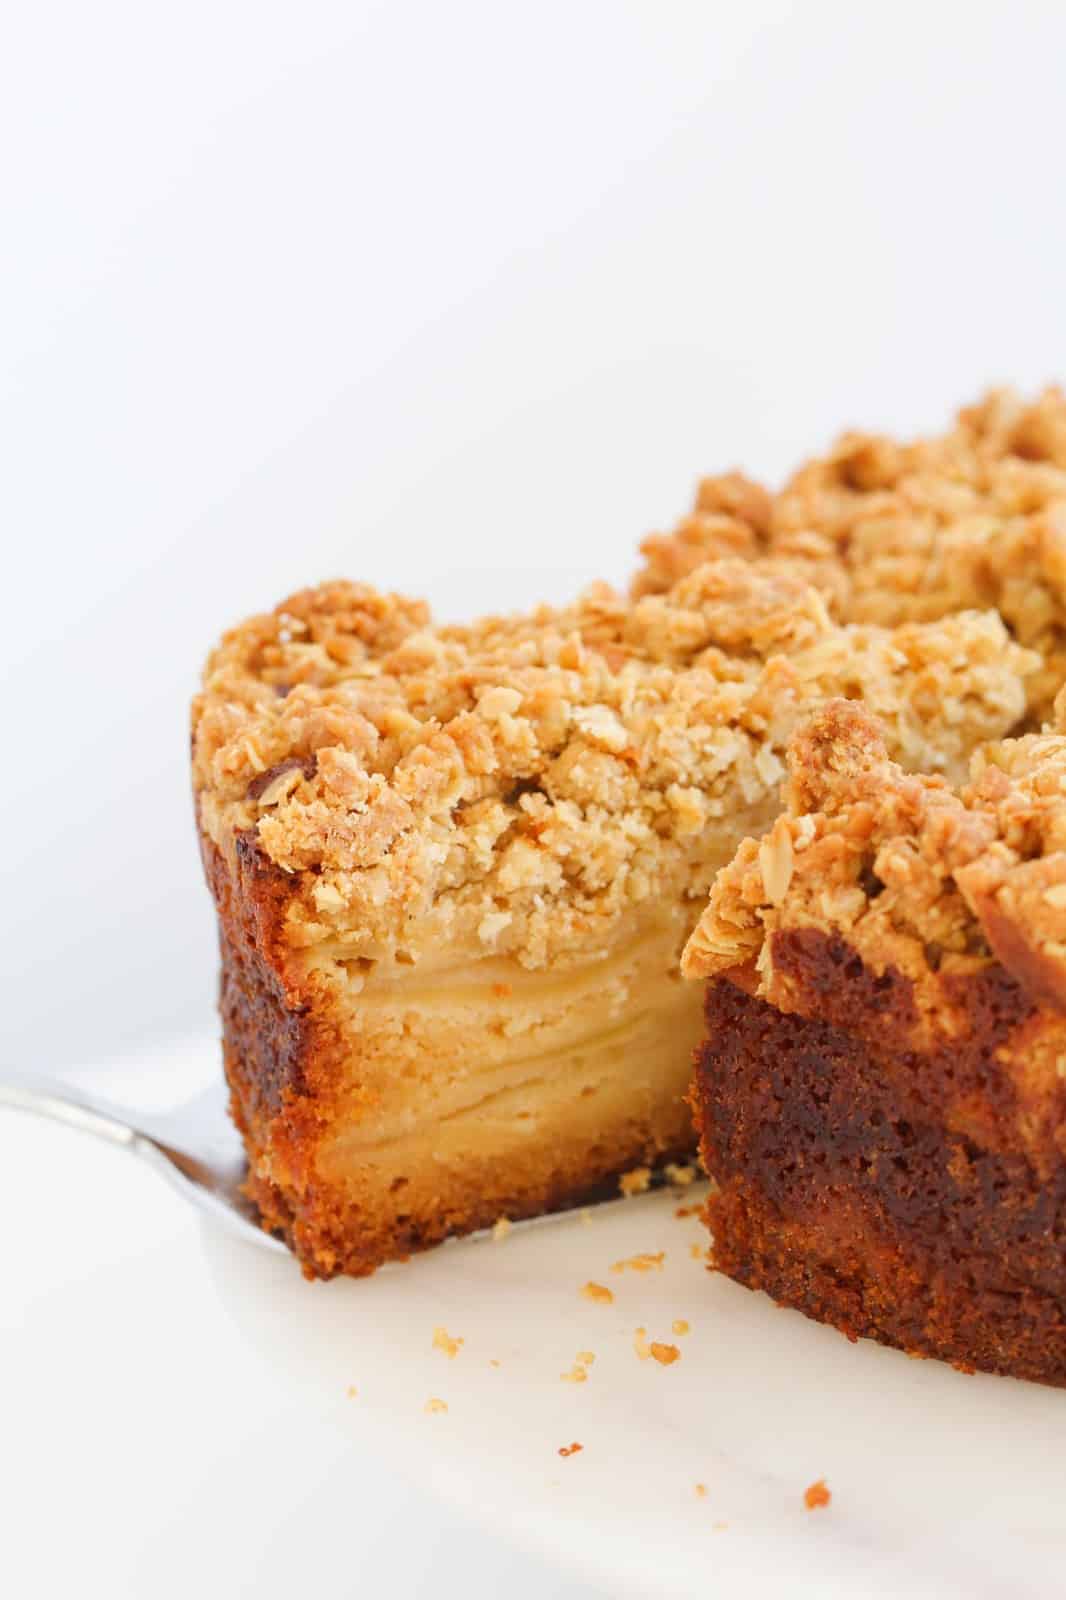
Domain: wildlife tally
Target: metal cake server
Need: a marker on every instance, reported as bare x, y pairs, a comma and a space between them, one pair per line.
194, 1146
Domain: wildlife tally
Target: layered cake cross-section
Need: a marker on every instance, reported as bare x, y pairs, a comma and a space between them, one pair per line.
455, 868
882, 1092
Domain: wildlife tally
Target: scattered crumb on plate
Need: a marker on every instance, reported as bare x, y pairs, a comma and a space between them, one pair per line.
701, 1490
696, 1251
570, 1449
352, 1391
577, 1374
645, 1261
680, 1327
501, 1228
680, 1176
665, 1354
641, 1345
816, 1494
635, 1182
436, 1405
598, 1292
442, 1340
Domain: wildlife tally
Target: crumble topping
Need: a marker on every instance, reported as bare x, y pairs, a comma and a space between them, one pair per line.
517, 786
913, 874
892, 532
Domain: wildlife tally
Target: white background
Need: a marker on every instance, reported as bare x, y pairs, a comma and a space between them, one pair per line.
457, 298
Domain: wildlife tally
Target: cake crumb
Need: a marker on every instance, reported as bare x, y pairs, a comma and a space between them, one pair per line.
680, 1326
646, 1261
687, 1211
665, 1354
586, 1216
436, 1405
442, 1340
570, 1449
501, 1228
680, 1176
577, 1374
586, 1357
696, 1251
494, 1363
641, 1345
598, 1292
352, 1391
701, 1490
816, 1495
635, 1182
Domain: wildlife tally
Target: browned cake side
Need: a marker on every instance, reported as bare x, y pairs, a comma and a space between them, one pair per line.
845, 1190
882, 1094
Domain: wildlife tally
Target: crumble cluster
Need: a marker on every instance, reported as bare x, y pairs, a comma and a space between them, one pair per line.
892, 532
913, 874
518, 785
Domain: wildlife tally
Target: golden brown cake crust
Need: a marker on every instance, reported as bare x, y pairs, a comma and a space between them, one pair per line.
882, 1097
892, 532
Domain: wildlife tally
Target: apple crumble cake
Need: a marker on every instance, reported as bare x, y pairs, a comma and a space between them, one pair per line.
882, 1093
455, 868
894, 533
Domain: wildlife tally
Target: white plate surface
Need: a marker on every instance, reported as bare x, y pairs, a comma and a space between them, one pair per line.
942, 1484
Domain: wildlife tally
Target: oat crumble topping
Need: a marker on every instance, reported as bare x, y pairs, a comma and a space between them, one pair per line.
518, 786
914, 874
892, 532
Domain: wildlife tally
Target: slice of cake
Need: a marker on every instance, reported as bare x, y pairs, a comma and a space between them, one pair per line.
455, 868
892, 532
882, 1093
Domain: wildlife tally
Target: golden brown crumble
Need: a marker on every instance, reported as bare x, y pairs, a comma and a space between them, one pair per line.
570, 1449
577, 1374
664, 1354
636, 1182
891, 532
816, 1495
913, 874
519, 785
680, 1327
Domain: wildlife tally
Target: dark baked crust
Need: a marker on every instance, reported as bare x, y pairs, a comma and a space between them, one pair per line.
887, 1168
